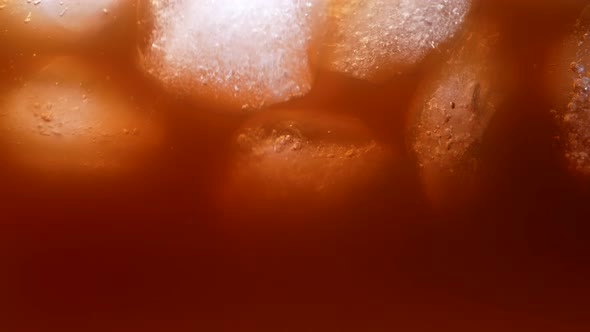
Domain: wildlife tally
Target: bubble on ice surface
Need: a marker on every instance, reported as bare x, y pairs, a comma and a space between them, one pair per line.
453, 111
241, 54
283, 155
571, 82
375, 39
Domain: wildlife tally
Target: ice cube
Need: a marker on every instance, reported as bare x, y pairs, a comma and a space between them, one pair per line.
450, 114
375, 39
37, 23
72, 117
238, 54
569, 85
297, 155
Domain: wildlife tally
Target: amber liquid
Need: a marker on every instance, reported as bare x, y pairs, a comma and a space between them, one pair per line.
157, 251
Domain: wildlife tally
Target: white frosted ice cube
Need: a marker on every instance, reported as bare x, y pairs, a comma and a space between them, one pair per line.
375, 39
241, 54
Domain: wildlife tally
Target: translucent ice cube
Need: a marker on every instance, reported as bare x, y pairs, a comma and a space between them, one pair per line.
300, 155
241, 54
451, 113
569, 84
71, 117
39, 22
374, 39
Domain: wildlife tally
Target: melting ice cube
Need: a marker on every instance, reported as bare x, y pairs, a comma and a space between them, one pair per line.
375, 39
58, 21
72, 117
451, 113
569, 84
286, 156
239, 54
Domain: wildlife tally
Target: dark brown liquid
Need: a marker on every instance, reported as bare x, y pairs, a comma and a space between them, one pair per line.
156, 251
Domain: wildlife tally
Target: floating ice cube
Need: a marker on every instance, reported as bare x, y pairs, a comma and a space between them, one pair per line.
375, 39
569, 84
299, 155
73, 117
36, 22
241, 54
451, 113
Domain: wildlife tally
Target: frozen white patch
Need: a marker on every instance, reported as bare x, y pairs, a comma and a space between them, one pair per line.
241, 54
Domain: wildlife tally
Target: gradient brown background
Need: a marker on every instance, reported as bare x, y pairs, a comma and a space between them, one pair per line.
156, 251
